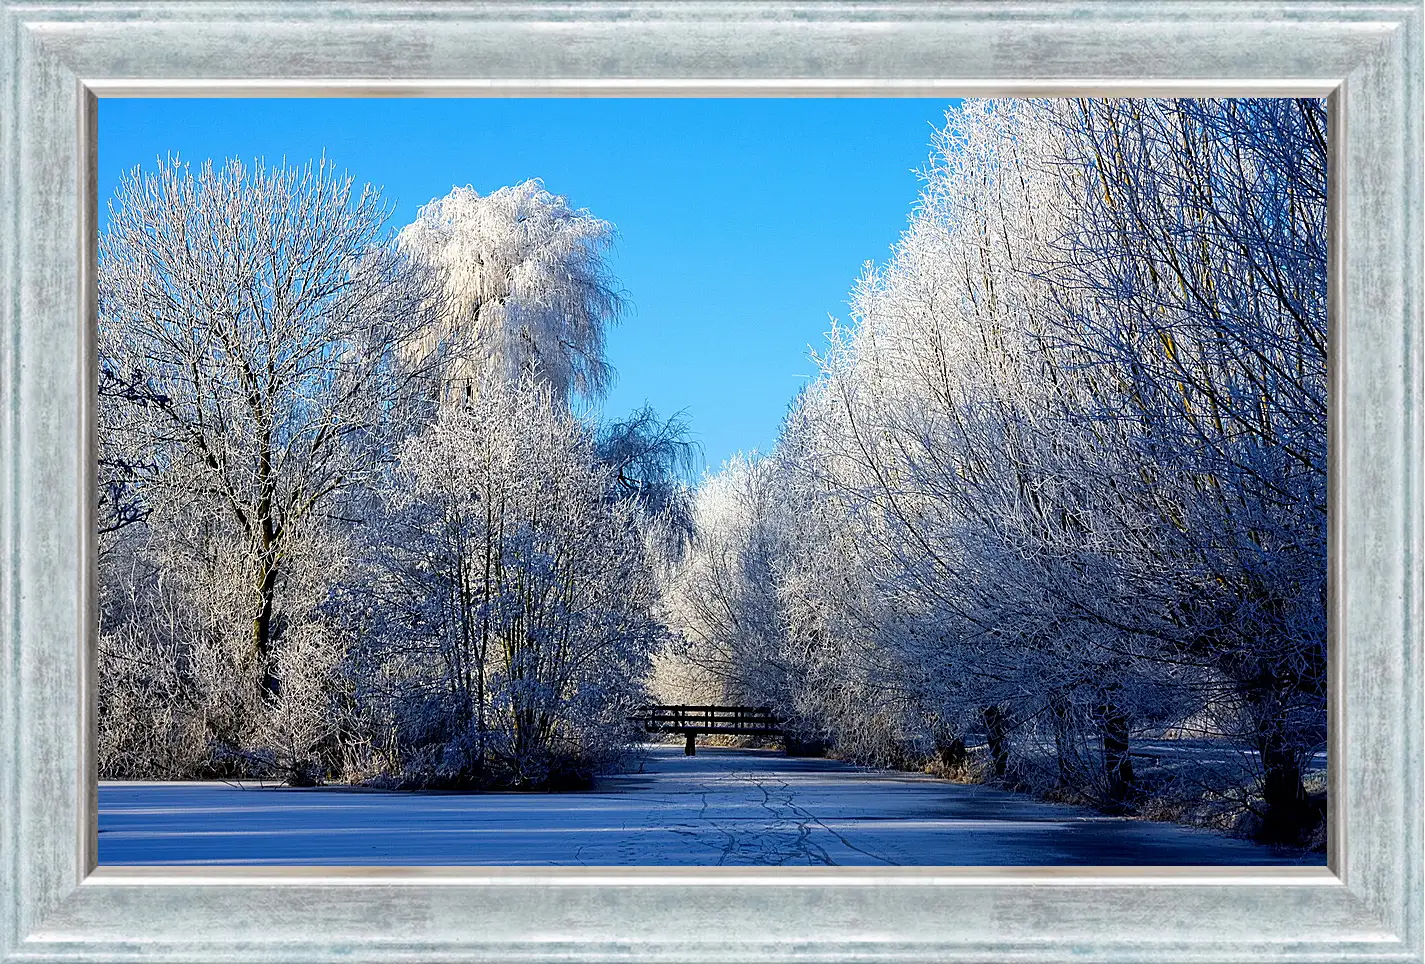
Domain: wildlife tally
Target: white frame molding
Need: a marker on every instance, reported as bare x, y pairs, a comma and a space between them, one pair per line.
57, 57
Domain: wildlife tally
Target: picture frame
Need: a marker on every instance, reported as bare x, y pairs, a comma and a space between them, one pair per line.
60, 57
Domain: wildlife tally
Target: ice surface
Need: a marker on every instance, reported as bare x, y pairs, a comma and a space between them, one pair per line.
721, 807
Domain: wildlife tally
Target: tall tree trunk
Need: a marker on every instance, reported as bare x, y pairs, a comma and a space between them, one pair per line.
1117, 764
262, 630
1059, 709
1289, 816
997, 736
267, 554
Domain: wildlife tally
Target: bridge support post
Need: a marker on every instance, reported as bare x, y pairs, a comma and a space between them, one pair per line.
690, 748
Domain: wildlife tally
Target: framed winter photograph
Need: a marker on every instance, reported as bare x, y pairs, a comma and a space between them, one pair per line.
917, 481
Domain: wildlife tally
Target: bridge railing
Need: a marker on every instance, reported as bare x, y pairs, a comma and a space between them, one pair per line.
694, 720
710, 719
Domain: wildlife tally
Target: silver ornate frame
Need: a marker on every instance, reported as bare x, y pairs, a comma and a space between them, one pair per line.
59, 56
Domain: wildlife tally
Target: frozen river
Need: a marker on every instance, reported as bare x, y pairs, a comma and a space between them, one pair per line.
721, 807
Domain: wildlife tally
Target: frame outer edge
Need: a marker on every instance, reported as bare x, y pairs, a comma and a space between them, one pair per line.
783, 39
9, 639
1380, 859
1412, 79
44, 333
43, 200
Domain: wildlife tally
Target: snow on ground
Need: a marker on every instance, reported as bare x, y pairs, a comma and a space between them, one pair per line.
721, 807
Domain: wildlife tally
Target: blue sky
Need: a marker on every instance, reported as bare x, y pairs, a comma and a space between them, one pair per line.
742, 223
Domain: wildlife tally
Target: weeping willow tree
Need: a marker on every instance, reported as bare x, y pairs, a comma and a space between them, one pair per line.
525, 283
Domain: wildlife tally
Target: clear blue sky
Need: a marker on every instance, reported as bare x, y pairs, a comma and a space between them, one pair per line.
742, 223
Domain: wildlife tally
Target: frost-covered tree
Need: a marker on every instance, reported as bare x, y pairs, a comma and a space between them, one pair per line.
120, 501
526, 283
651, 460
512, 601
1199, 285
725, 599
249, 317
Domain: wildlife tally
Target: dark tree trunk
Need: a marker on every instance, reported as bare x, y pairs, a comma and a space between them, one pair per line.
1059, 708
952, 754
1288, 817
262, 632
997, 736
1117, 764
266, 533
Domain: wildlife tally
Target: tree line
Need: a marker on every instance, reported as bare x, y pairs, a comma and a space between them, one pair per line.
1053, 511
352, 526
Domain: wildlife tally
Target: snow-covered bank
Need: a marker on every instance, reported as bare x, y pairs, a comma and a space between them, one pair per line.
722, 807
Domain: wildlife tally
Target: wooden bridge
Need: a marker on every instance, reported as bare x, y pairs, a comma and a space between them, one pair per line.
692, 720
